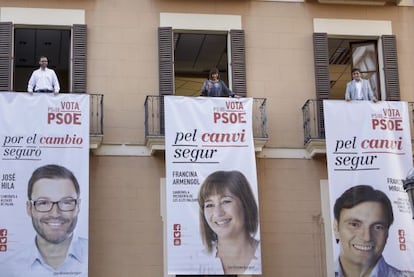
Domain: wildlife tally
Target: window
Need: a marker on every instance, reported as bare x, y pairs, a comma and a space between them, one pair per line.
362, 53
188, 65
194, 55
345, 54
359, 31
322, 72
29, 43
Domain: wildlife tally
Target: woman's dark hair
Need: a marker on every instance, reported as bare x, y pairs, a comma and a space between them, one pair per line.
214, 71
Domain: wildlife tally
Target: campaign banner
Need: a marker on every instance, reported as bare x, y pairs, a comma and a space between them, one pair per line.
44, 184
369, 154
211, 186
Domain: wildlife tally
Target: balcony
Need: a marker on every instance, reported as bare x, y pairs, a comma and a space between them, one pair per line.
154, 123
314, 127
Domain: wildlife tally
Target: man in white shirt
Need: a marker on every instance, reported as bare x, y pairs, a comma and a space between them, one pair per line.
358, 88
43, 79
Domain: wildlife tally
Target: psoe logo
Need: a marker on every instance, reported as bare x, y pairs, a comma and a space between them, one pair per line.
67, 113
67, 118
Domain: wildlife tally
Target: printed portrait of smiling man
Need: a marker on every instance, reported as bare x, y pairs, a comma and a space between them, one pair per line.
53, 205
363, 217
54, 209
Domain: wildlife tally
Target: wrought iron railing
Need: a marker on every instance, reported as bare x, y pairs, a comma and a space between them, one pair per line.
96, 114
313, 121
154, 117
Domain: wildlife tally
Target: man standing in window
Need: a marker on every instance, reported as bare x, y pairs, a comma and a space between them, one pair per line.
358, 88
53, 205
43, 79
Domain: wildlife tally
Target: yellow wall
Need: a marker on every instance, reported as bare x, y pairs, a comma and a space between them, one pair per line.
125, 236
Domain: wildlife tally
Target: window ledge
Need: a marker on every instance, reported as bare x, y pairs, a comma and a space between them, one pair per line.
316, 147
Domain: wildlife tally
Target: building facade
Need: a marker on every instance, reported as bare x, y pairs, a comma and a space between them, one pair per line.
286, 52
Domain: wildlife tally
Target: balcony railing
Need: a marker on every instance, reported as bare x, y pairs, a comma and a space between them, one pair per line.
314, 126
95, 120
154, 122
313, 121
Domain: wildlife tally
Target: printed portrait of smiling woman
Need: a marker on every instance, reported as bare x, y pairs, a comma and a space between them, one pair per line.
228, 224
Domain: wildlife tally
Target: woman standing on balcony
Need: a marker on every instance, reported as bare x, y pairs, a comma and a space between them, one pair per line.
214, 87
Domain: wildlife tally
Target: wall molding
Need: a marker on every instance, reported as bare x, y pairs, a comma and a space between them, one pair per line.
193, 21
136, 150
37, 16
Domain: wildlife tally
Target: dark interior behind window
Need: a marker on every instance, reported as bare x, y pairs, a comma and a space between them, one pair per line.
30, 44
194, 55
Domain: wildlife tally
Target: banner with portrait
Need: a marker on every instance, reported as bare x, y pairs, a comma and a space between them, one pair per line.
44, 191
368, 148
211, 186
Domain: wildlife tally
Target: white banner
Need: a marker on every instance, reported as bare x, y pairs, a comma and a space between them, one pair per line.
44, 191
211, 191
369, 153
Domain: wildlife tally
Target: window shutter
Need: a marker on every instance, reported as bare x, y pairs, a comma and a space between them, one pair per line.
238, 62
322, 84
166, 69
79, 58
6, 29
165, 62
392, 83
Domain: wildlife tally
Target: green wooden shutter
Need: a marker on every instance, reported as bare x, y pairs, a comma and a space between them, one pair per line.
238, 62
6, 29
322, 84
166, 61
79, 58
392, 83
